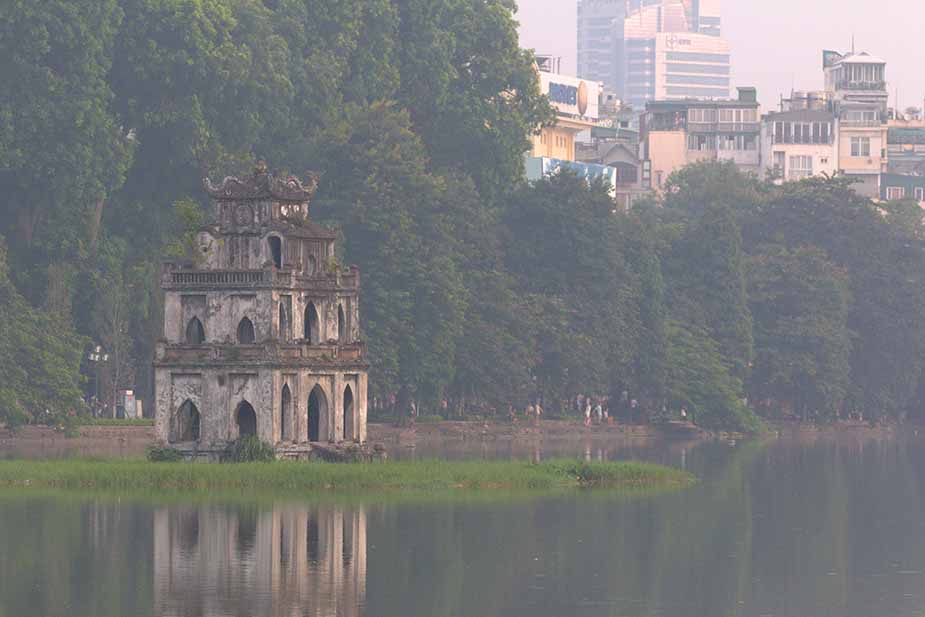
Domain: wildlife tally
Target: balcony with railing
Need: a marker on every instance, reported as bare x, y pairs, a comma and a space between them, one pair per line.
861, 86
180, 277
272, 352
723, 127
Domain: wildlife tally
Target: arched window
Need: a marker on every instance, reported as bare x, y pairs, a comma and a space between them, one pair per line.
246, 419
317, 414
349, 420
276, 250
285, 414
185, 426
246, 334
195, 333
341, 324
311, 325
284, 328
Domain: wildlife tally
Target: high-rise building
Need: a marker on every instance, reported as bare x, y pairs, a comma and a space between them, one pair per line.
707, 17
600, 42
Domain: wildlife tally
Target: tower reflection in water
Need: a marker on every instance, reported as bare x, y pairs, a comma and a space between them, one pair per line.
282, 561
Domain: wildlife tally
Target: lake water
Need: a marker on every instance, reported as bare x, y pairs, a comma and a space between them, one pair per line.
793, 528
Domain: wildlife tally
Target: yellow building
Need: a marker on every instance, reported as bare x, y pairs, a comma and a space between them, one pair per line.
558, 142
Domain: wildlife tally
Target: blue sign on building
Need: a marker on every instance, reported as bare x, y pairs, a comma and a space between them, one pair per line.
561, 93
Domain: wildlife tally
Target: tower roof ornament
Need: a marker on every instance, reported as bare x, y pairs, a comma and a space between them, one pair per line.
263, 186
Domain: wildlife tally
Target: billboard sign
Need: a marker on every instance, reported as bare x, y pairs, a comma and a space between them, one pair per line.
572, 96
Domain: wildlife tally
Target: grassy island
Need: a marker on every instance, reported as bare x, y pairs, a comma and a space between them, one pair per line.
135, 475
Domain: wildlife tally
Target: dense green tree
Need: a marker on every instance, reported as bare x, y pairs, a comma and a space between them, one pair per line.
707, 284
699, 379
198, 83
800, 303
565, 246
377, 189
883, 259
62, 150
39, 359
472, 92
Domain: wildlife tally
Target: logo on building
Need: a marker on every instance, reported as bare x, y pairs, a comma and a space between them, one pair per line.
573, 96
674, 41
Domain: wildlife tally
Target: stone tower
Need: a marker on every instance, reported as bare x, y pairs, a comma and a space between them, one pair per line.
261, 332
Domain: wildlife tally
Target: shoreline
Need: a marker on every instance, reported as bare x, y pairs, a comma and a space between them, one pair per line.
123, 442
390, 477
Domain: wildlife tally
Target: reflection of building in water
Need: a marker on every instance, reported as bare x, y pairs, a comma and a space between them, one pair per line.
284, 562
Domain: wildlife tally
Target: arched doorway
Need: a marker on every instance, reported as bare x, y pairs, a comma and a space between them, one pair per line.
246, 335
349, 420
341, 324
195, 333
285, 415
186, 424
246, 419
311, 325
317, 414
276, 250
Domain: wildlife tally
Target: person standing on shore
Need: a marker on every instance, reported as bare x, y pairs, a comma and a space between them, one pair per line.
588, 412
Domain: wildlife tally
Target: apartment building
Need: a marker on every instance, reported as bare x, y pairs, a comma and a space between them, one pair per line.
677, 133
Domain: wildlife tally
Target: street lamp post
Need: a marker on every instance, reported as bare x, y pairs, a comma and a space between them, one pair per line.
97, 356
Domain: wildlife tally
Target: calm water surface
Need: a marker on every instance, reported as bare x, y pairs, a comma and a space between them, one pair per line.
794, 528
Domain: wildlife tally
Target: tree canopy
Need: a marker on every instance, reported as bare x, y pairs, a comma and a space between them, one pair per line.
727, 295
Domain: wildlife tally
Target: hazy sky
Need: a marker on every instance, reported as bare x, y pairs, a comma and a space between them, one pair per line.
777, 44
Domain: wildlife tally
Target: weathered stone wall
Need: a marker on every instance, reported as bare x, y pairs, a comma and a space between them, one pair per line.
218, 394
262, 259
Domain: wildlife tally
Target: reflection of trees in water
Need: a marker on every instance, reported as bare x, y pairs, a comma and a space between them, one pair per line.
247, 561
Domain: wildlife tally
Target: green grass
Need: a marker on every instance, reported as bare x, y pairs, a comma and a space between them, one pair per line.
136, 475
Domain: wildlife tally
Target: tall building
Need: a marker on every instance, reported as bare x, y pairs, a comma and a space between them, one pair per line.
617, 42
667, 58
601, 54
707, 17
600, 41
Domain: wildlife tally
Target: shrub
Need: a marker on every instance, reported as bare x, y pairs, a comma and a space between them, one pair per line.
249, 450
164, 455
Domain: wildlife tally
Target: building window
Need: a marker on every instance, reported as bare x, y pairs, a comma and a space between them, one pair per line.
894, 193
195, 333
800, 167
779, 158
727, 142
860, 146
700, 143
919, 193
246, 334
